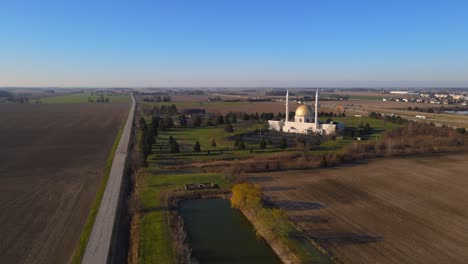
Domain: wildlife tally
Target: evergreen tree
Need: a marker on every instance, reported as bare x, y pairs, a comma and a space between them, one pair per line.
213, 142
168, 122
283, 143
197, 147
233, 118
197, 121
175, 148
182, 121
142, 124
209, 122
241, 144
367, 127
219, 120
263, 143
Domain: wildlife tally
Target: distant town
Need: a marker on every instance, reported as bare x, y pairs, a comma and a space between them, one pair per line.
445, 98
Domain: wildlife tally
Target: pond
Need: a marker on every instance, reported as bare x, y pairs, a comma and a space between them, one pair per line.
220, 234
460, 112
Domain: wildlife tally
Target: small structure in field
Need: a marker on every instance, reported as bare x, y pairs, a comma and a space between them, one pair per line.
200, 186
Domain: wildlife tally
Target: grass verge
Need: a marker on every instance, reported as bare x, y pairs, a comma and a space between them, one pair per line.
275, 227
88, 227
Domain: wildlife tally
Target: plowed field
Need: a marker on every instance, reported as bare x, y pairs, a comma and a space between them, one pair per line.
52, 159
402, 210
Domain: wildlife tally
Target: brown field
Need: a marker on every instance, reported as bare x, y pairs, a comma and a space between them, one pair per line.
401, 210
52, 161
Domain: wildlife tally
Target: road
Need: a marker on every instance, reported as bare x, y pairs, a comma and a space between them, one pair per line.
97, 249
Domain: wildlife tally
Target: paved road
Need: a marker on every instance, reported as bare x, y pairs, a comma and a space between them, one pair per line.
99, 242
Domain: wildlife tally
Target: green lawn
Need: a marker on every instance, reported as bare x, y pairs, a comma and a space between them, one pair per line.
155, 244
83, 98
378, 128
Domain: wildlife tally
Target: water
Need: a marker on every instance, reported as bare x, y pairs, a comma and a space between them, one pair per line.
220, 235
457, 112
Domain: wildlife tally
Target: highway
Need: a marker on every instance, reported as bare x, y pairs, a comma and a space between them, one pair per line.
97, 249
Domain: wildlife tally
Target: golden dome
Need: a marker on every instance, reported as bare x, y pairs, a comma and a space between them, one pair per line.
304, 110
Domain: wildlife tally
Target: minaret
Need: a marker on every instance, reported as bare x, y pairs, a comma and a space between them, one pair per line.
287, 106
316, 111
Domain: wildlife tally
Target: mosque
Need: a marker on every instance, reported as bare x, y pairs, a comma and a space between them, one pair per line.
305, 121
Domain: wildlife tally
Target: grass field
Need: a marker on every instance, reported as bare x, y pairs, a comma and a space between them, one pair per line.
79, 98
52, 163
220, 107
401, 210
154, 234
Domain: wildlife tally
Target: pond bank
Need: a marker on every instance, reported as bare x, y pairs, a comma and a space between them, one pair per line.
298, 249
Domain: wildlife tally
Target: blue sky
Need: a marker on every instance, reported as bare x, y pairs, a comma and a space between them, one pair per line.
233, 43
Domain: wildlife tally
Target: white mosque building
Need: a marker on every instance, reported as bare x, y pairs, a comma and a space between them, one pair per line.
305, 121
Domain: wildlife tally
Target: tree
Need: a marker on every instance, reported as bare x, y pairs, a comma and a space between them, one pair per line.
262, 143
175, 148
241, 144
219, 120
154, 126
213, 142
197, 121
233, 118
229, 128
209, 122
168, 122
182, 121
283, 143
142, 124
173, 109
367, 127
301, 142
196, 147
323, 162
171, 140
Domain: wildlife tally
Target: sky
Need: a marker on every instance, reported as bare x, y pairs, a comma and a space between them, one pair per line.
234, 43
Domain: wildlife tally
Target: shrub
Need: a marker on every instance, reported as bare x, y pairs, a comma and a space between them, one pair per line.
246, 196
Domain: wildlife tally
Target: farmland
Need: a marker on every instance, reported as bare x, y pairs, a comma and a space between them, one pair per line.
53, 159
395, 210
359, 213
77, 98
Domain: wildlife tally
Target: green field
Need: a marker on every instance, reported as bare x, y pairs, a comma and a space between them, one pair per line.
78, 98
154, 234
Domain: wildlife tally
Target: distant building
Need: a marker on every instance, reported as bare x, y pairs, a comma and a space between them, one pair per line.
305, 121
